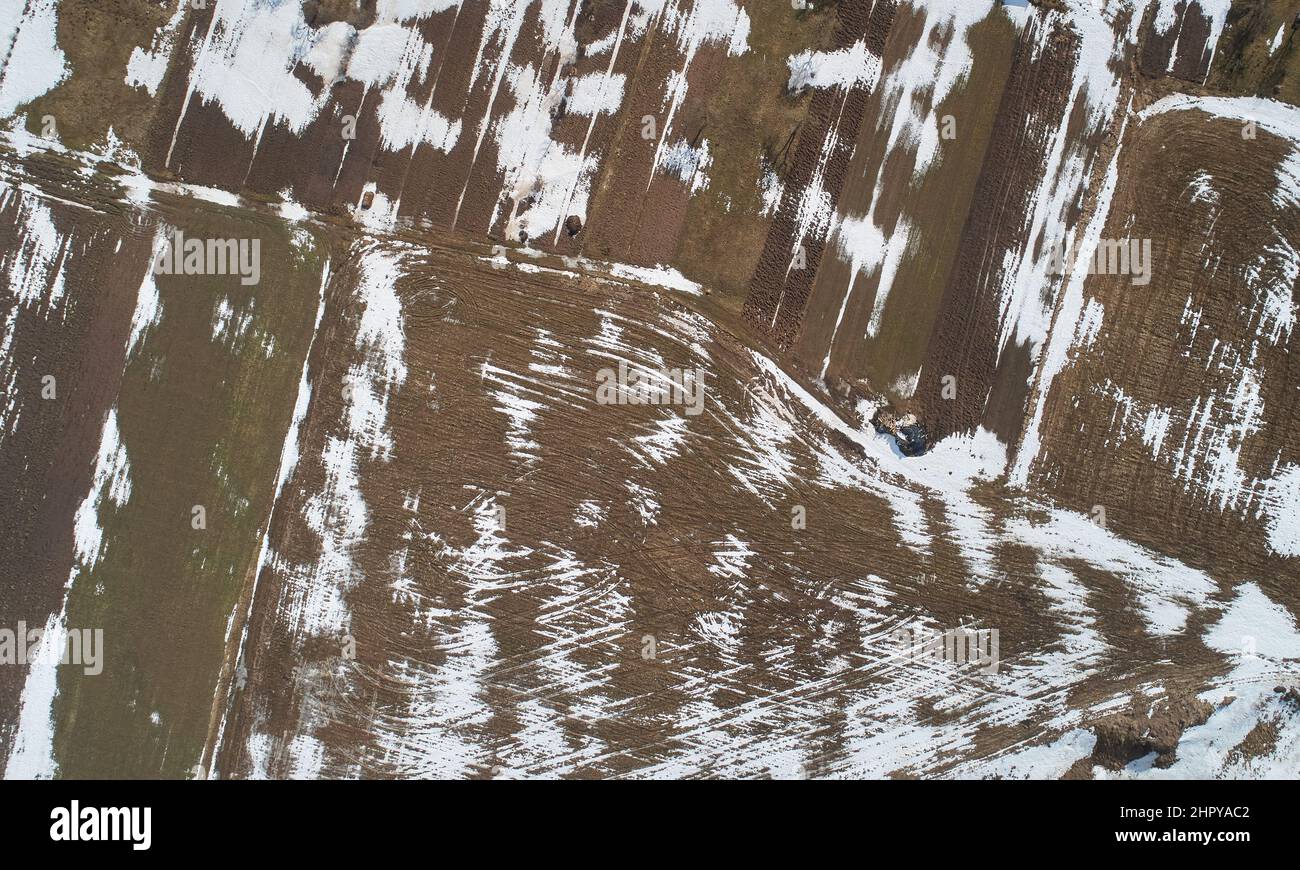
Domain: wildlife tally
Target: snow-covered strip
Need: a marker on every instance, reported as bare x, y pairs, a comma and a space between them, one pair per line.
32, 62
1280, 119
547, 384
663, 277
589, 514
879, 691
610, 343
664, 441
111, 483
291, 210
1044, 761
228, 326
1166, 15
1281, 508
290, 450
657, 276
771, 190
247, 59
860, 241
766, 436
583, 607
338, 513
664, 436
35, 264
1203, 444
596, 94
31, 754
667, 433
814, 208
689, 164
431, 732
1167, 590
844, 68
148, 302
138, 189
403, 11
1277, 39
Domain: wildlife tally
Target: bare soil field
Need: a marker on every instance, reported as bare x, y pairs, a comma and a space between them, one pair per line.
1137, 423
929, 211
102, 523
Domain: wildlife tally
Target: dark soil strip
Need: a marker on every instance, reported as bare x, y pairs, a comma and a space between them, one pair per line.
779, 294
965, 340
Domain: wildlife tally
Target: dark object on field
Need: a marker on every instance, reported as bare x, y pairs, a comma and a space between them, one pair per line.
911, 439
368, 199
911, 436
573, 225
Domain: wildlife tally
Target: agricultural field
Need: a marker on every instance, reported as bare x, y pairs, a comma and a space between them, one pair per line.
599, 389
